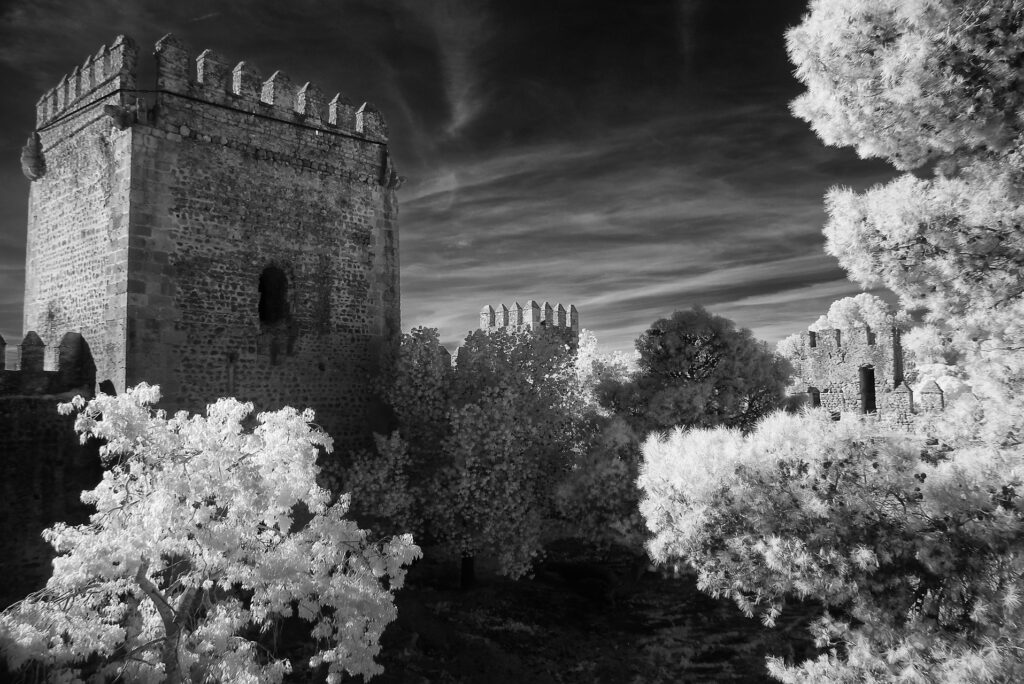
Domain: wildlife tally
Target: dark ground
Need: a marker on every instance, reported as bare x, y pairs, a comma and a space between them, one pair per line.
581, 618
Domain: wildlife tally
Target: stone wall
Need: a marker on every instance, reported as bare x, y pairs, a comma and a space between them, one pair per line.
154, 225
860, 370
45, 467
76, 266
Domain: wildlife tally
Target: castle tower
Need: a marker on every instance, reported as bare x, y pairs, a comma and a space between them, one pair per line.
237, 236
533, 316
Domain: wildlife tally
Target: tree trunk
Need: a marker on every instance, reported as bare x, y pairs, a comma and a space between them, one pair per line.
172, 627
467, 574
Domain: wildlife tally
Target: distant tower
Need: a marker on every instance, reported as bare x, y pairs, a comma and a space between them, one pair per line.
239, 237
533, 316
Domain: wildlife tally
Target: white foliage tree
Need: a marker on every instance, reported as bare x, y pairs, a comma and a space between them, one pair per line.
194, 549
916, 549
862, 310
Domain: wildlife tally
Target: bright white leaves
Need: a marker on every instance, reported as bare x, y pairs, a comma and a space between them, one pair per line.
860, 311
911, 81
926, 555
194, 542
920, 548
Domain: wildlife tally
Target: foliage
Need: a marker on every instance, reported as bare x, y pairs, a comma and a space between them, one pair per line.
194, 549
380, 480
595, 367
931, 84
887, 77
482, 446
916, 550
918, 555
597, 499
863, 310
697, 369
421, 388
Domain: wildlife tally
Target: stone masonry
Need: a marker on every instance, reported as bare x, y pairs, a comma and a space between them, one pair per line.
533, 316
234, 235
44, 466
860, 371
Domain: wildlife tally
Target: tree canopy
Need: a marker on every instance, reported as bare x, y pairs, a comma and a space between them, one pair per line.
913, 540
698, 369
194, 549
480, 447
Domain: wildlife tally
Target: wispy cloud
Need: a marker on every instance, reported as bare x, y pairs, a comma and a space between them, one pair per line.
630, 225
556, 150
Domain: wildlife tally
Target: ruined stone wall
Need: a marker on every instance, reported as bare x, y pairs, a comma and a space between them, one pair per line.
831, 364
224, 176
830, 373
533, 316
45, 467
76, 262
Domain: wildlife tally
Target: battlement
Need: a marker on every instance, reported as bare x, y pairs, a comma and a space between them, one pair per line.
110, 70
531, 316
74, 368
833, 338
208, 77
211, 78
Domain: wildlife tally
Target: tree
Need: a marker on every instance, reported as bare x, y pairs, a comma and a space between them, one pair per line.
696, 368
860, 311
194, 549
932, 86
913, 540
480, 448
919, 560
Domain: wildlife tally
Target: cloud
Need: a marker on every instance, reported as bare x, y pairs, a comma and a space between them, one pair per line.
556, 150
715, 208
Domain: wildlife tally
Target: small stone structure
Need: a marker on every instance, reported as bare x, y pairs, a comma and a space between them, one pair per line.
44, 467
233, 235
533, 316
860, 370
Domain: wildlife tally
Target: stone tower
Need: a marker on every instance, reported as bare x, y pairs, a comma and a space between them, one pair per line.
533, 316
232, 236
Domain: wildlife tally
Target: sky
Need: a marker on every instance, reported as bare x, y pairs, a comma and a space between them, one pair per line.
631, 158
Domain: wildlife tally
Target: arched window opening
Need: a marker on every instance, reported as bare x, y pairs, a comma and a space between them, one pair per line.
273, 295
867, 389
815, 395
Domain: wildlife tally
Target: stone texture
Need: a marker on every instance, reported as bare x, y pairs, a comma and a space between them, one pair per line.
533, 316
44, 466
151, 240
844, 369
832, 371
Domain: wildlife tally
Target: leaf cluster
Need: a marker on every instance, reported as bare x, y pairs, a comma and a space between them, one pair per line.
194, 550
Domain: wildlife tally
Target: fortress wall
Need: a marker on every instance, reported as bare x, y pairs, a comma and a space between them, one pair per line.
44, 466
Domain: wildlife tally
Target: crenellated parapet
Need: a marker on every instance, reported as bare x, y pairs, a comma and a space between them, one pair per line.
111, 70
210, 77
532, 316
74, 368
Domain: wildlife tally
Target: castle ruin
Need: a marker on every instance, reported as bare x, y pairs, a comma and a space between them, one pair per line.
860, 370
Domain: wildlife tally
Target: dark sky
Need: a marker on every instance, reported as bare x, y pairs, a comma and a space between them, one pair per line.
631, 158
